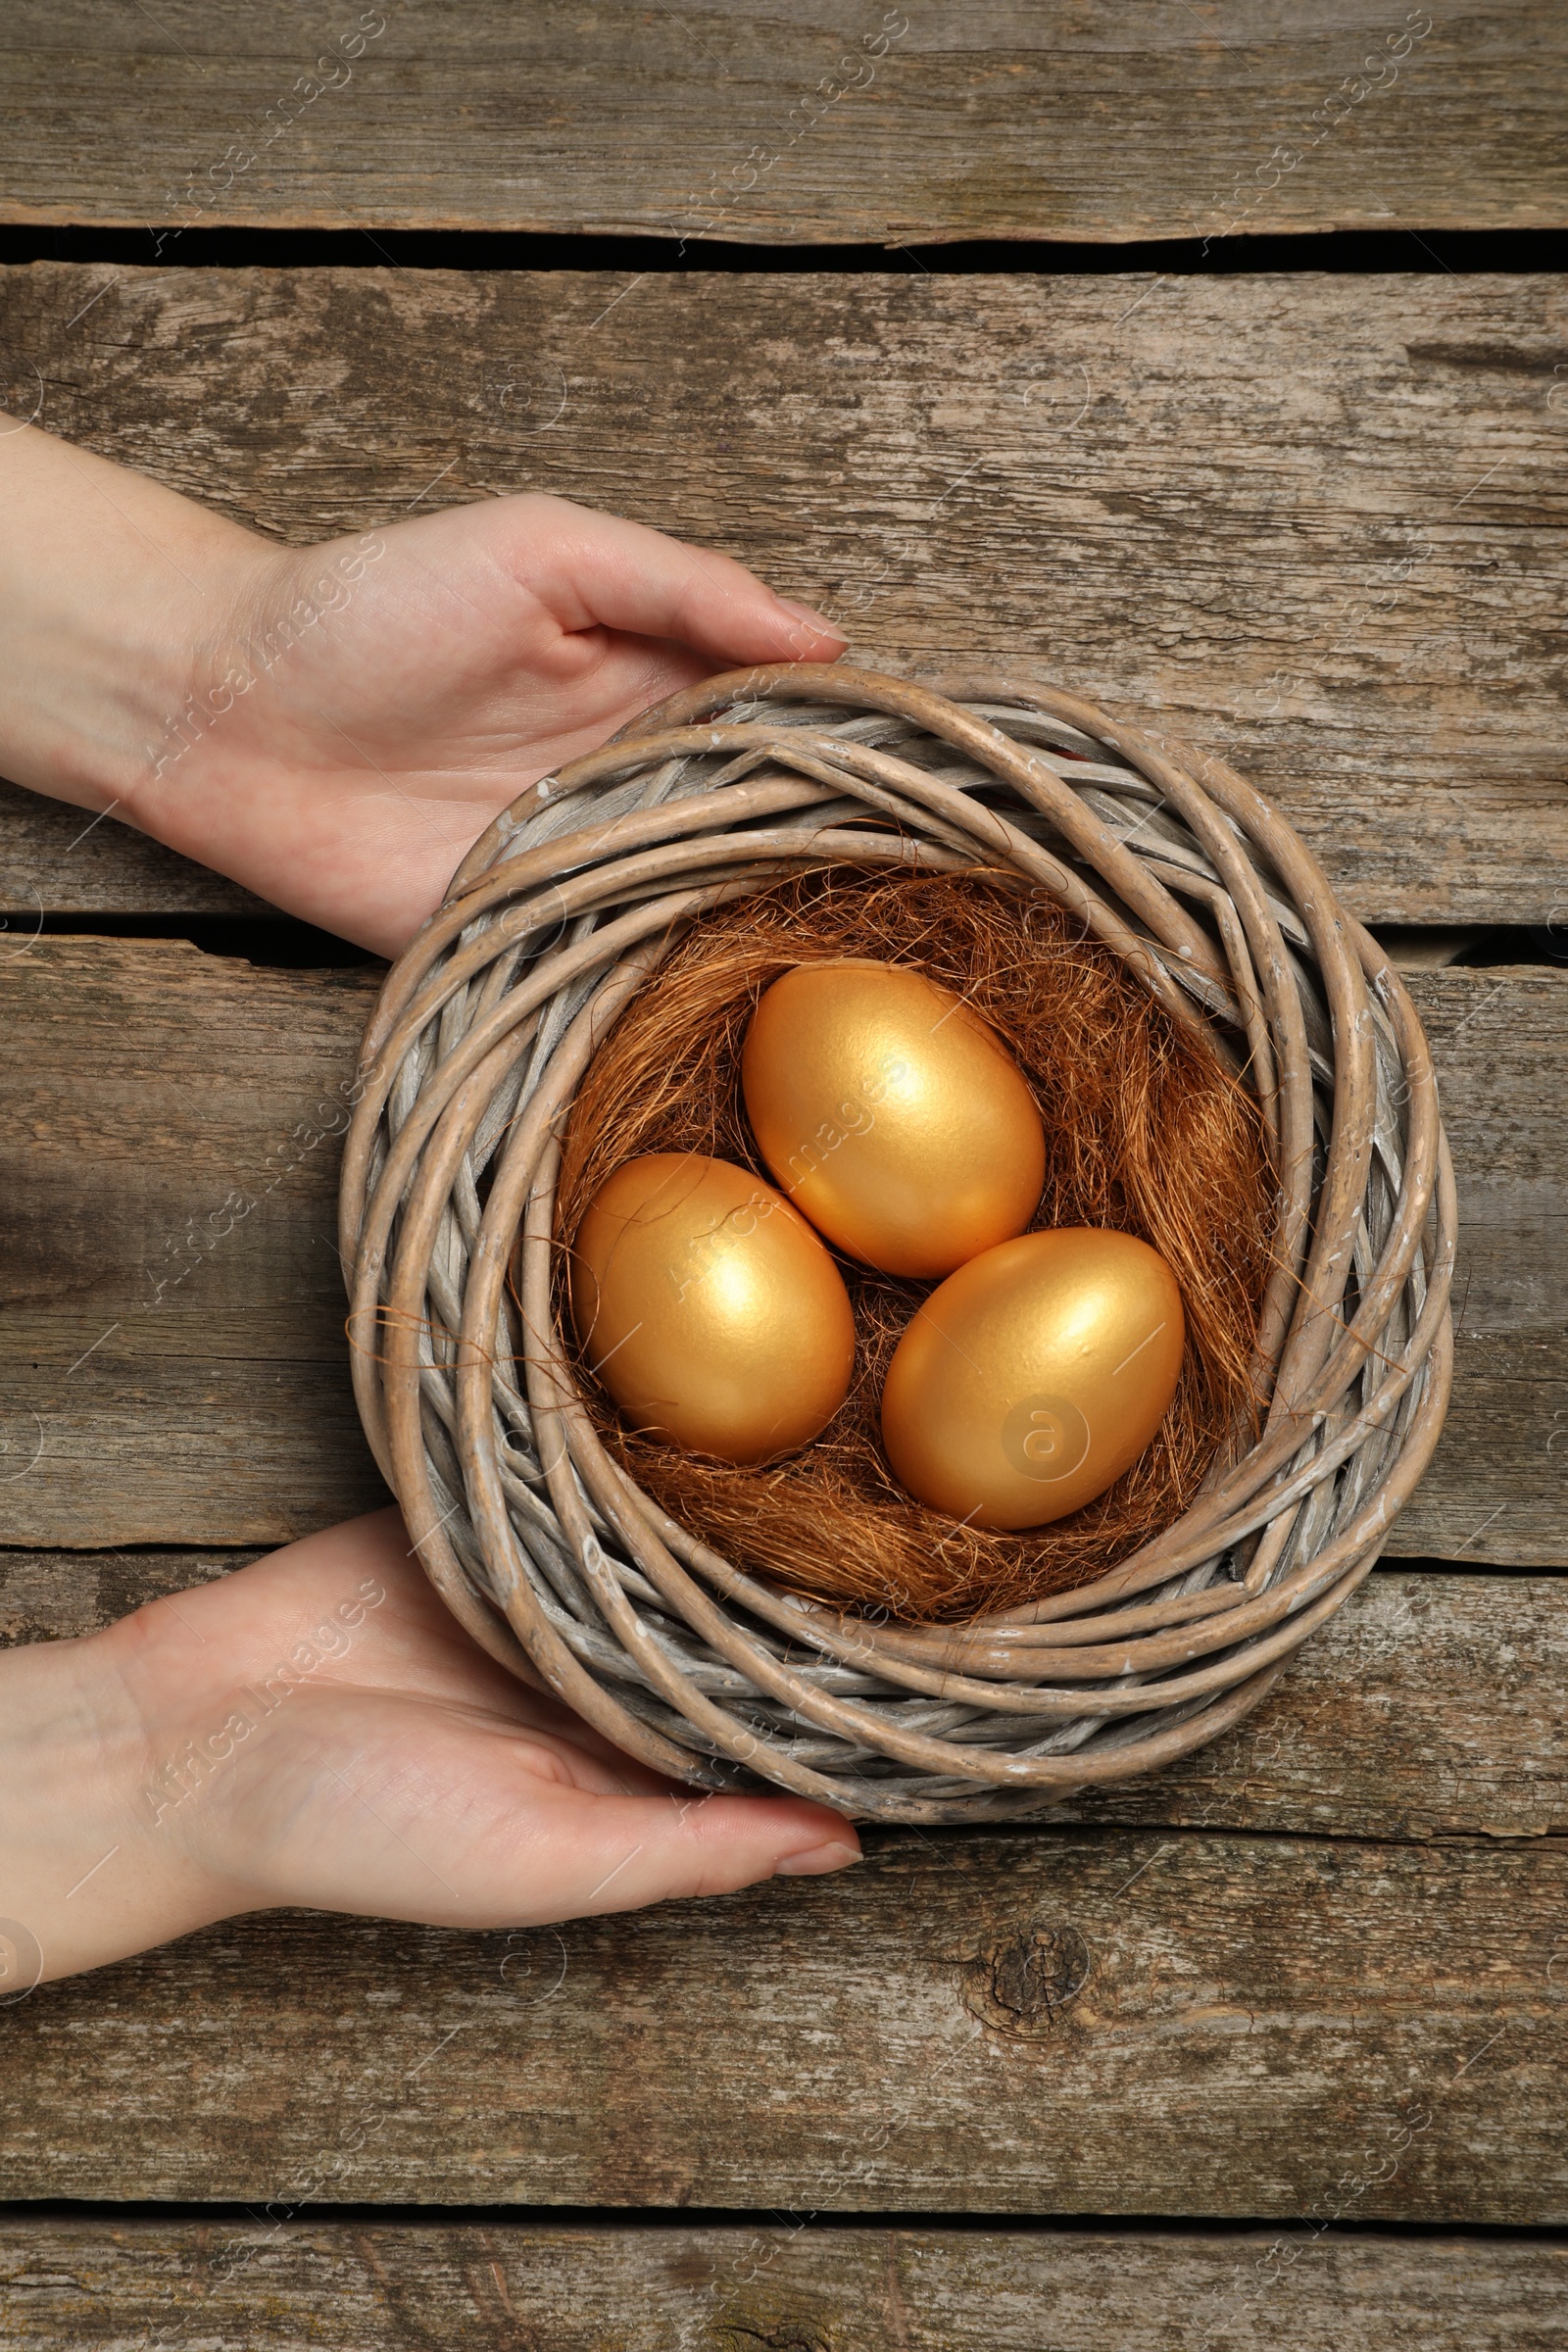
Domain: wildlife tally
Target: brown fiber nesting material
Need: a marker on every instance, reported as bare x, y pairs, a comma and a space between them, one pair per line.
1145, 1133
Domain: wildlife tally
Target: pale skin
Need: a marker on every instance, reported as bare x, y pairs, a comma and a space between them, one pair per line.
340, 767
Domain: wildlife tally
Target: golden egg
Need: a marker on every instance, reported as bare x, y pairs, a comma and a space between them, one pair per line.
710, 1309
892, 1115
1034, 1377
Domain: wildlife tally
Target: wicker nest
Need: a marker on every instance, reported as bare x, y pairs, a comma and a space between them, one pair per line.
540, 1541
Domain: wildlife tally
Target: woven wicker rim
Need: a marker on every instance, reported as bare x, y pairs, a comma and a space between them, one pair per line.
544, 1548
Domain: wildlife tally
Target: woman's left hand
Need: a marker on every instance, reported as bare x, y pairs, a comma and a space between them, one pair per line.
334, 726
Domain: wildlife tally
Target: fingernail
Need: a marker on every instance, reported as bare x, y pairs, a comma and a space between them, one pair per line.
815, 1860
814, 621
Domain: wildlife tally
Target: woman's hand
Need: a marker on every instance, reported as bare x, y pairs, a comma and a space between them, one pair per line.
317, 1730
334, 726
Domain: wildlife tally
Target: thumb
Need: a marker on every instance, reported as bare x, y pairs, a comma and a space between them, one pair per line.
596, 570
612, 1853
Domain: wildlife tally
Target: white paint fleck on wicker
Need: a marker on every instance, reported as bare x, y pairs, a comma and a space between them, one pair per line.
540, 1542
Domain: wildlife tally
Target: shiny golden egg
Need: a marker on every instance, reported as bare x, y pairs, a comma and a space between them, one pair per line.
892, 1115
710, 1309
1034, 1377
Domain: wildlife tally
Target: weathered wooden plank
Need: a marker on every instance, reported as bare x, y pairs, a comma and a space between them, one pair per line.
1433, 1706
1498, 1486
53, 856
1315, 523
1067, 2021
272, 2285
174, 1364
803, 125
55, 1595
176, 1368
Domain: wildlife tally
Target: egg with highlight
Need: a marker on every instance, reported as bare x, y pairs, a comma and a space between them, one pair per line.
710, 1308
1034, 1376
891, 1116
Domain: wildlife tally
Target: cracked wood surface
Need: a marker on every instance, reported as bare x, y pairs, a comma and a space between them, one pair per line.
1314, 522
803, 125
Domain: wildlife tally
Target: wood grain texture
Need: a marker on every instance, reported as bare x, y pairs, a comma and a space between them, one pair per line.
748, 123
1314, 522
95, 2285
167, 1381
1433, 1705
54, 859
1062, 2021
57, 1595
1498, 1486
176, 1368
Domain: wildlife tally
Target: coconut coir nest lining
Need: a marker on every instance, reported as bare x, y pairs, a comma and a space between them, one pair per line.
1144, 1133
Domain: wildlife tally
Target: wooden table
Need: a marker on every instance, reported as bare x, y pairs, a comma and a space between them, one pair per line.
1265, 2050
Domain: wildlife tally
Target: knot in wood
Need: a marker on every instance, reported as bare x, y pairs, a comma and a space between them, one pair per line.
782, 2336
1022, 1984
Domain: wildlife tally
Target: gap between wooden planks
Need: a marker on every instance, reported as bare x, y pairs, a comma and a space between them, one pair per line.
1313, 523
841, 123
174, 1367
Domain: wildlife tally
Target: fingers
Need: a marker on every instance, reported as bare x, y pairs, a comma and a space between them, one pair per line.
369, 1804
593, 569
607, 1853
